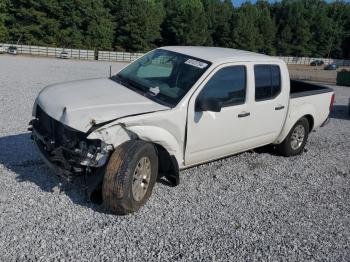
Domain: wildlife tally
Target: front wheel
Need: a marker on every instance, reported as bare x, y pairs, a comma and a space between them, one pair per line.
130, 176
295, 142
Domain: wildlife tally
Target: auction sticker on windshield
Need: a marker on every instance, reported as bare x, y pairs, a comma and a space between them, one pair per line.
196, 63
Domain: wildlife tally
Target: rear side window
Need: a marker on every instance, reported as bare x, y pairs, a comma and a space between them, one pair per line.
228, 85
267, 82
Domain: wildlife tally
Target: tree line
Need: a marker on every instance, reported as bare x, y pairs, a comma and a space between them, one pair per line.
289, 27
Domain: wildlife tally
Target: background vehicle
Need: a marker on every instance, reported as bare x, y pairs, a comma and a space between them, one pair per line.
174, 108
317, 63
2, 49
331, 67
12, 50
64, 55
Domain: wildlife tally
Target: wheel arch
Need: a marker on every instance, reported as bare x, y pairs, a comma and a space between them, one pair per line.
311, 121
289, 125
160, 137
168, 148
168, 166
167, 145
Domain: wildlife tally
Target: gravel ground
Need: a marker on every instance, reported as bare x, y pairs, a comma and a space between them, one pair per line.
252, 206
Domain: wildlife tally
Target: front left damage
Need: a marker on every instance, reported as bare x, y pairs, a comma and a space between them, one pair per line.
73, 154
69, 152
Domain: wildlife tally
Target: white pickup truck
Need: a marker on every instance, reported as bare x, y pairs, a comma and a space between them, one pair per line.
173, 108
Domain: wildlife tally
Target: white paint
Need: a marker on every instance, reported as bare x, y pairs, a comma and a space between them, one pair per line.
224, 132
210, 135
316, 106
95, 100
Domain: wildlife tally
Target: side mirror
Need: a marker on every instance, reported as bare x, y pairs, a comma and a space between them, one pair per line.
208, 104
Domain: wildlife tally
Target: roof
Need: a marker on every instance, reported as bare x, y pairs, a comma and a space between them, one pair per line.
218, 54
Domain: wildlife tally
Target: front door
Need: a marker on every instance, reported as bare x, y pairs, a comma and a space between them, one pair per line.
211, 135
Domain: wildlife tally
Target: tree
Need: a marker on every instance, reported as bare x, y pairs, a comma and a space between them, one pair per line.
267, 28
245, 33
284, 42
346, 35
339, 12
3, 18
185, 23
84, 24
138, 23
288, 27
322, 28
30, 22
219, 14
66, 23
292, 15
97, 26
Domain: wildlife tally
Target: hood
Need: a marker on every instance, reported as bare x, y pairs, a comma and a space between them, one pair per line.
80, 104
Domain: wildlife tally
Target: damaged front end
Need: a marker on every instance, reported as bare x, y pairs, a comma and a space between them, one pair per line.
67, 151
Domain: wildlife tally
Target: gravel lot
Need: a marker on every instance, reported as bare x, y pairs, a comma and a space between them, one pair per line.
252, 206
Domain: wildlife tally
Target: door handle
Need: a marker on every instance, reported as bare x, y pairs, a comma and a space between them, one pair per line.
244, 114
279, 107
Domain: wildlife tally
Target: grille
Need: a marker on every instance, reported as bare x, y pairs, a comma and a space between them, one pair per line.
64, 146
53, 129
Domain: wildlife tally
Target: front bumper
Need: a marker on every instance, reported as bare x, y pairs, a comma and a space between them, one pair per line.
56, 169
75, 156
90, 177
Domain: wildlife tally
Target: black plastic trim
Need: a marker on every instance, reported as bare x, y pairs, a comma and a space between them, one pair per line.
243, 115
311, 93
319, 89
279, 107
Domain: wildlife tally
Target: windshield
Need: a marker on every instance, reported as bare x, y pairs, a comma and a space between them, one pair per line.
163, 76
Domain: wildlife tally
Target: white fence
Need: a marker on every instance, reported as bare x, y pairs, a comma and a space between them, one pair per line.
307, 60
112, 56
118, 56
52, 51
129, 57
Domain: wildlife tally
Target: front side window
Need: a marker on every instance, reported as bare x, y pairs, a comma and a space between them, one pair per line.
267, 82
228, 85
163, 76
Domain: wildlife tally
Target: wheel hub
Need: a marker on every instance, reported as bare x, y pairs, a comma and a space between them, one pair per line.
141, 178
297, 137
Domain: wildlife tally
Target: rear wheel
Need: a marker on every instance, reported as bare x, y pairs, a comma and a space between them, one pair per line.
295, 142
130, 176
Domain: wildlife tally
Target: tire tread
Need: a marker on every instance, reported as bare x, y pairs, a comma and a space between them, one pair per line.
116, 187
285, 148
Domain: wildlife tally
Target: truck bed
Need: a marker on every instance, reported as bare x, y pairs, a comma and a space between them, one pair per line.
301, 88
308, 99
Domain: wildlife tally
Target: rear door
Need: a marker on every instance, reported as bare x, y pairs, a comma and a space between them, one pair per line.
271, 100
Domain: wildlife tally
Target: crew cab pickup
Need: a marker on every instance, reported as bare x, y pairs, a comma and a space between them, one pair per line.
173, 108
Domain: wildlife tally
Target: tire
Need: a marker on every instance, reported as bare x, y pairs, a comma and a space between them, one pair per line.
295, 142
127, 185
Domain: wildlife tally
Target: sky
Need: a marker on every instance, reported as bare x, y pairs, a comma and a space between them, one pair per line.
239, 2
